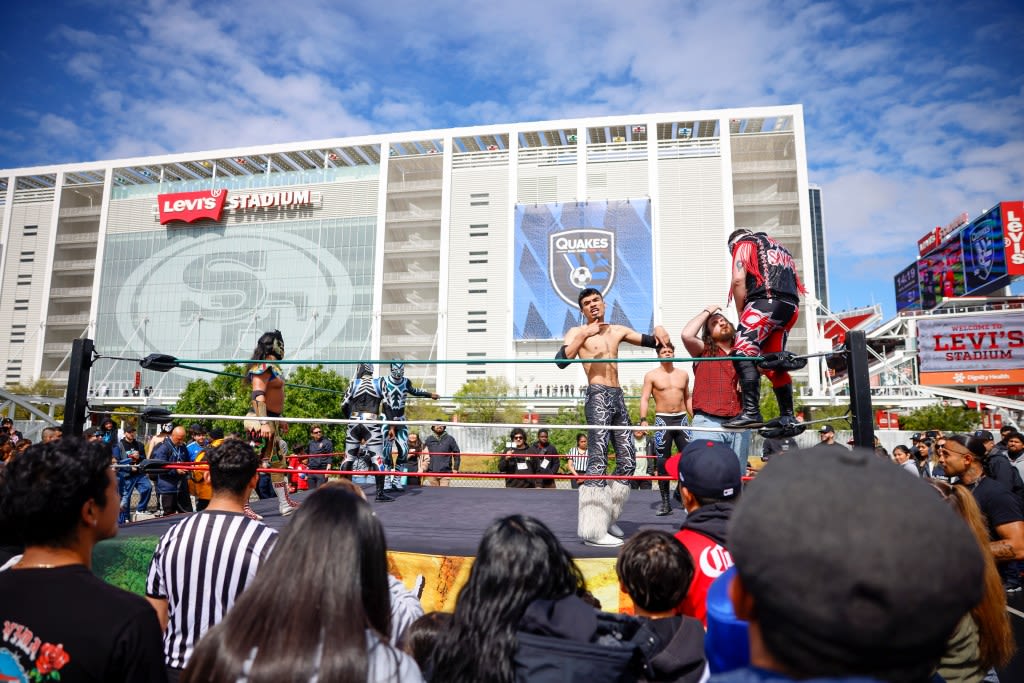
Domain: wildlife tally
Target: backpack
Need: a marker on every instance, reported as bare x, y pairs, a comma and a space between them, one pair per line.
996, 465
618, 649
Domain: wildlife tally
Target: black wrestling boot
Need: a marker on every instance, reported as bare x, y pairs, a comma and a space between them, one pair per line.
750, 397
666, 503
750, 400
784, 396
381, 496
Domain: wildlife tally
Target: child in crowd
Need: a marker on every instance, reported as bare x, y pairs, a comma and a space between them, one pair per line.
420, 639
655, 570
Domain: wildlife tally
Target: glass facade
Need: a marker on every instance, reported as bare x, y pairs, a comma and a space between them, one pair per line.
209, 292
818, 248
247, 182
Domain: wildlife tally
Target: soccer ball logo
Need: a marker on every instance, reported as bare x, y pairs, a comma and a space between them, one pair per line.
580, 277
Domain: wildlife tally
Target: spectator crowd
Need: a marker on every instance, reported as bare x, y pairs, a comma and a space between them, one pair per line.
831, 564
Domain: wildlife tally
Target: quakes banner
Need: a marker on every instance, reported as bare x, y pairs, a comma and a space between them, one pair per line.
972, 351
561, 249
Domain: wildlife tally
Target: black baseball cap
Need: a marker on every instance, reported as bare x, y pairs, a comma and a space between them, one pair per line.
916, 436
984, 435
826, 429
869, 611
710, 469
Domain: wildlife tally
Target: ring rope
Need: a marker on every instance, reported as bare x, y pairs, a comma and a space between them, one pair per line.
430, 423
452, 475
294, 385
467, 361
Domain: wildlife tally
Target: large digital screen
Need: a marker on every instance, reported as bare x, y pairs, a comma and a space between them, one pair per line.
983, 254
561, 249
979, 258
941, 274
908, 291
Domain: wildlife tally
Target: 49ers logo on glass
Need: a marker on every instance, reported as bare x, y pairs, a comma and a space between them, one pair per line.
578, 259
189, 207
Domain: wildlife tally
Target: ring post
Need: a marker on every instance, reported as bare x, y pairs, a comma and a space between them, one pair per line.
860, 390
76, 398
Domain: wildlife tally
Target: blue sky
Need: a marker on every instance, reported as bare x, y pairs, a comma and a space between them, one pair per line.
914, 110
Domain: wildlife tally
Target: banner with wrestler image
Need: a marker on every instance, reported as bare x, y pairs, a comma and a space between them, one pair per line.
562, 248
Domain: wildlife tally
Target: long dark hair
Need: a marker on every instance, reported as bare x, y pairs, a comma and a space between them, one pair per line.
265, 347
325, 583
518, 561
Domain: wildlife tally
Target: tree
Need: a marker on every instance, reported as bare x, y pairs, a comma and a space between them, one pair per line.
945, 418
228, 394
222, 395
564, 439
322, 402
41, 387
485, 400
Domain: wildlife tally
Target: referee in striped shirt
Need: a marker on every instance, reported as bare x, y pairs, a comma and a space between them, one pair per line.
577, 459
204, 562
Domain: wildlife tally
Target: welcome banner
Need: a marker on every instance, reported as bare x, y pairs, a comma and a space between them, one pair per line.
972, 351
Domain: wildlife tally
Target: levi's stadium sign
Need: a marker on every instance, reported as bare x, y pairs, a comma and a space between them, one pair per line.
972, 351
188, 207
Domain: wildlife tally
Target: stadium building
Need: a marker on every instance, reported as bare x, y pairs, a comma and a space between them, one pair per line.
459, 245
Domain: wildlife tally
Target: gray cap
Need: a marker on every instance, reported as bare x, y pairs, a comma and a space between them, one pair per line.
833, 551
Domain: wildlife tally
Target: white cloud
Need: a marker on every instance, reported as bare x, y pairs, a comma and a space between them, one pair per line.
85, 64
911, 114
53, 127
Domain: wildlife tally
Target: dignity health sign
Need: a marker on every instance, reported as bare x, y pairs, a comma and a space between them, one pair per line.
972, 351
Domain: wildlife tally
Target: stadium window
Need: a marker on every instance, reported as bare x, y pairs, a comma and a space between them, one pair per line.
27, 257
479, 195
479, 234
25, 279
476, 329
478, 260
476, 372
478, 253
477, 321
476, 354
481, 202
479, 226
477, 279
478, 291
30, 230
476, 313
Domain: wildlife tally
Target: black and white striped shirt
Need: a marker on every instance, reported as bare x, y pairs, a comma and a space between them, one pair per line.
578, 459
200, 566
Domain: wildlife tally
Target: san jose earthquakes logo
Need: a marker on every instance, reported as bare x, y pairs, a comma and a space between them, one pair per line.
581, 258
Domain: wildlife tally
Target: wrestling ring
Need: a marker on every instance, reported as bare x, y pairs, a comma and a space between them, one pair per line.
432, 531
